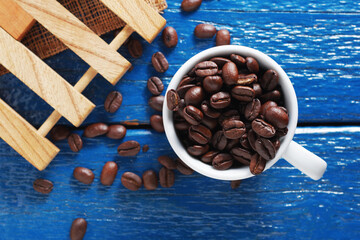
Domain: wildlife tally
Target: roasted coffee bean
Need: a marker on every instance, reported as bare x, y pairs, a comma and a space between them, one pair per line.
208, 111
258, 90
277, 117
43, 186
200, 134
96, 129
59, 133
243, 93
244, 142
212, 84
232, 114
222, 161
190, 5
167, 177
173, 100
135, 48
223, 37
183, 89
156, 102
78, 229
145, 148
116, 132
252, 109
155, 85
257, 164
197, 150
205, 30
131, 181
108, 173
181, 125
269, 80
263, 128
233, 129
84, 175
246, 79
267, 105
235, 184
150, 180
220, 61
113, 101
206, 68
156, 122
220, 100
170, 37
129, 148
186, 81
281, 132
211, 123
167, 162
231, 144
75, 142
238, 60
252, 65
193, 115
183, 168
241, 155
230, 73
251, 136
274, 95
159, 62
194, 96
182, 105
208, 157
265, 148
219, 141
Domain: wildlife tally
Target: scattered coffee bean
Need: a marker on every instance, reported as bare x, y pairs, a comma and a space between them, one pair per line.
205, 30
113, 102
219, 141
233, 129
173, 100
190, 5
246, 79
145, 148
200, 134
209, 156
193, 115
150, 180
242, 93
220, 100
167, 162
131, 181
156, 102
206, 68
159, 62
257, 89
183, 168
269, 80
167, 177
78, 229
235, 184
135, 48
230, 73
75, 142
265, 148
96, 129
263, 128
198, 150
59, 133
116, 132
238, 60
170, 37
223, 37
267, 105
155, 85
43, 186
212, 84
129, 148
194, 96
252, 65
252, 109
83, 175
108, 173
277, 117
257, 164
156, 122
222, 161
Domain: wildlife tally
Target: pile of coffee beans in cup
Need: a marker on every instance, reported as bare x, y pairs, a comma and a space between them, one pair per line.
228, 112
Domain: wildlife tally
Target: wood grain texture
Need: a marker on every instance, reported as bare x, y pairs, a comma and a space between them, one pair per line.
78, 37
44, 81
14, 19
138, 15
23, 137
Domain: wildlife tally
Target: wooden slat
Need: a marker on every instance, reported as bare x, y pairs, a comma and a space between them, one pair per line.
78, 37
22, 137
14, 19
139, 15
44, 81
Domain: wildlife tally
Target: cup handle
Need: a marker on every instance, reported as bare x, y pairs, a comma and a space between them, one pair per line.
305, 161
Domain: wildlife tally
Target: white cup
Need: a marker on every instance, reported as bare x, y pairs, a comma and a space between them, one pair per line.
296, 155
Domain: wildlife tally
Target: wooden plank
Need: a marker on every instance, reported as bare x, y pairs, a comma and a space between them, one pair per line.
78, 37
22, 137
139, 15
14, 19
44, 81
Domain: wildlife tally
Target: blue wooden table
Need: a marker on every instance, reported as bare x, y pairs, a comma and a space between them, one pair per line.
317, 42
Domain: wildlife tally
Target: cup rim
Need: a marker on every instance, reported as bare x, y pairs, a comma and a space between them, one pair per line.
264, 61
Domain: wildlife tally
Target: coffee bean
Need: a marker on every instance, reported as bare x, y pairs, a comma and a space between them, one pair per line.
265, 148
116, 132
232, 114
208, 111
194, 96
135, 48
257, 164
59, 133
156, 122
197, 150
244, 142
238, 60
263, 128
252, 139
281, 132
183, 168
190, 5
156, 102
96, 129
167, 162
206, 68
131, 181
252, 109
235, 184
242, 93
258, 90
222, 37
113, 102
170, 37
75, 142
167, 177
267, 105
187, 80
277, 117
219, 141
108, 173
252, 65
145, 148
205, 31
159, 62
173, 100
78, 229
246, 79
155, 85
230, 73
241, 155
83, 175
220, 100
129, 148
222, 161
193, 115
183, 89
43, 186
231, 144
274, 95
200, 134
150, 180
212, 84
209, 156
211, 123
233, 129
269, 80
220, 61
